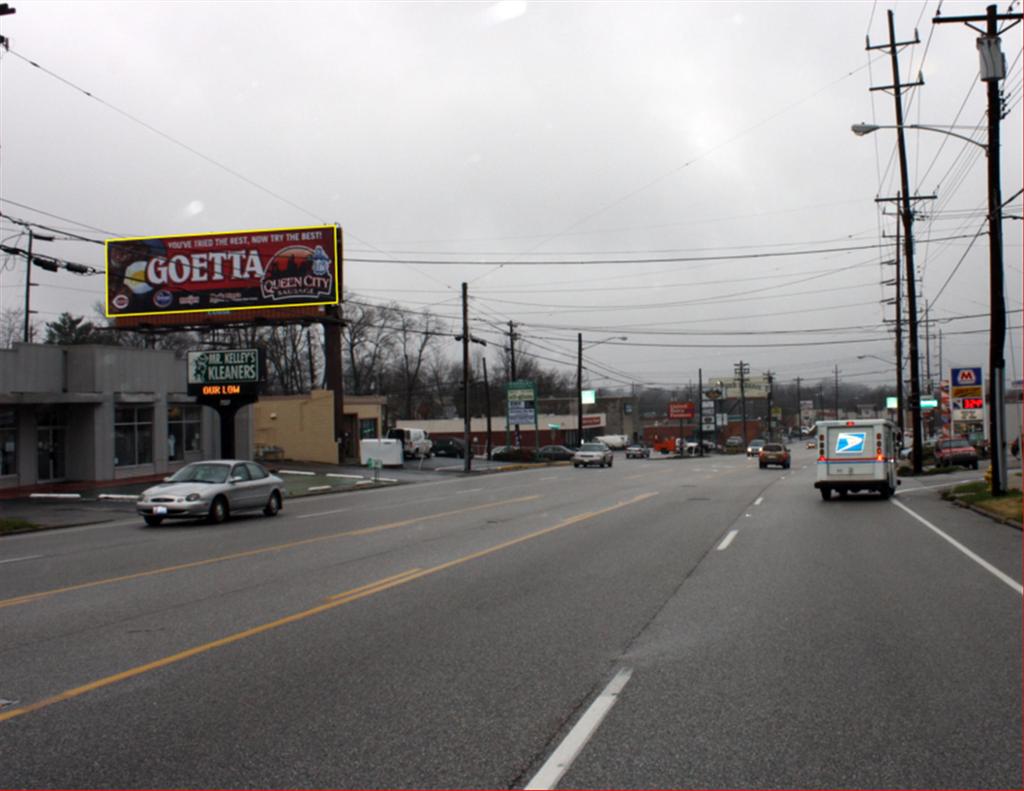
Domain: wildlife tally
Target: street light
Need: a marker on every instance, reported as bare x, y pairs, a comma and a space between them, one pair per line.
579, 378
881, 359
997, 307
866, 129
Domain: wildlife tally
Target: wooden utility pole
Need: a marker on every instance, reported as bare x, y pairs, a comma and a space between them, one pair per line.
468, 456
993, 69
908, 238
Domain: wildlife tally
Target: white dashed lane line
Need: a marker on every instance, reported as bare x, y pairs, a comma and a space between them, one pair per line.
727, 540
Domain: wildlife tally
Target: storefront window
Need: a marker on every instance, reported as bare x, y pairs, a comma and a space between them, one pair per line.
8, 442
133, 435
183, 433
368, 428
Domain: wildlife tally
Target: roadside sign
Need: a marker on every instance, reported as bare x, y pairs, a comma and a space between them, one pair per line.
707, 405
522, 400
708, 420
681, 410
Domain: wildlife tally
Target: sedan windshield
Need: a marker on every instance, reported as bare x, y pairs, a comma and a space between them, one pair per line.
201, 473
592, 448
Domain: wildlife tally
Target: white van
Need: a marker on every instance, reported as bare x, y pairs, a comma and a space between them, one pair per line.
613, 441
416, 443
856, 455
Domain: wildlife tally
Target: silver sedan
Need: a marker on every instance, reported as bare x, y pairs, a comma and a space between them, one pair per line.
213, 490
592, 453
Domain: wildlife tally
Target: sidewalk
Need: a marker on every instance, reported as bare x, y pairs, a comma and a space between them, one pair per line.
75, 503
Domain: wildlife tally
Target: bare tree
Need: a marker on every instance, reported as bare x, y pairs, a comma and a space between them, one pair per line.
369, 341
416, 334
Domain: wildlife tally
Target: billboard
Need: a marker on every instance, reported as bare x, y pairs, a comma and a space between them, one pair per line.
235, 270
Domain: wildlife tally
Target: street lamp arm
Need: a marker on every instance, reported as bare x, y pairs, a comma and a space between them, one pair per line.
865, 129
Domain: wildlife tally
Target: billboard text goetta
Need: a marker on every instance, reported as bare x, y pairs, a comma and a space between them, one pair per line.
276, 268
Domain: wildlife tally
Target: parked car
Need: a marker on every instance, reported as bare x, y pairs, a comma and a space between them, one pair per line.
638, 451
773, 453
449, 446
950, 452
512, 453
212, 490
755, 446
592, 453
555, 453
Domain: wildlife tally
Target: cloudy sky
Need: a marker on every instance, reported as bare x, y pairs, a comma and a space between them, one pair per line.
702, 150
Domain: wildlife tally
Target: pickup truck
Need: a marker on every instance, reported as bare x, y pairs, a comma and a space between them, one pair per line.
955, 452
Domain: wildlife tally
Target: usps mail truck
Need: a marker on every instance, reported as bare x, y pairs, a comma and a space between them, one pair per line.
856, 455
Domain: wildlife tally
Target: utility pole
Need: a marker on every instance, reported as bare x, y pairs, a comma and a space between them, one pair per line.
993, 69
835, 397
700, 407
742, 369
28, 279
579, 388
770, 376
487, 403
799, 408
512, 368
468, 457
908, 240
900, 402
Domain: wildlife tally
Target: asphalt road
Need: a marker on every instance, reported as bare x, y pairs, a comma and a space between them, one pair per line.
735, 631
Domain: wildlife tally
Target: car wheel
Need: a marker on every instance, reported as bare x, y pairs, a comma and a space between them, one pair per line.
273, 504
974, 466
218, 511
826, 493
610, 462
153, 521
886, 492
762, 466
785, 466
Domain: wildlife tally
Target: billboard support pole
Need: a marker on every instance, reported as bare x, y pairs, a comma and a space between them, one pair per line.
333, 374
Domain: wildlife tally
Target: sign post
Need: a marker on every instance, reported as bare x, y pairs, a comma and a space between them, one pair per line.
225, 380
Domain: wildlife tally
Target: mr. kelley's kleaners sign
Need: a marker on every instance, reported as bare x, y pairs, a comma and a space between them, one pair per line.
276, 268
224, 373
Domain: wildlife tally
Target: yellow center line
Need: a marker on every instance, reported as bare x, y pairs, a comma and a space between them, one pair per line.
335, 601
30, 597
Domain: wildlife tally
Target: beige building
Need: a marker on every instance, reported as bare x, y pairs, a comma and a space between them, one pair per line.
299, 427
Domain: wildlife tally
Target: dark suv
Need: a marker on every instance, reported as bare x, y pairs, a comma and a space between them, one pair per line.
773, 453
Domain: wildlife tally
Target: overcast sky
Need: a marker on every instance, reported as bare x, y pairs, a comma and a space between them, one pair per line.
533, 132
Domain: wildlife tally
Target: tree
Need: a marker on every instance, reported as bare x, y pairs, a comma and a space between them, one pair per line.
68, 330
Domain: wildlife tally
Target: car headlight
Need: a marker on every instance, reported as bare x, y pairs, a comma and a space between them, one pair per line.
192, 497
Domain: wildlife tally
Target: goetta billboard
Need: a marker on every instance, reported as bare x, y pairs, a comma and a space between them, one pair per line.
276, 268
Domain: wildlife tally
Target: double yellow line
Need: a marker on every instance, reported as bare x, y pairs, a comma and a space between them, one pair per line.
338, 600
31, 597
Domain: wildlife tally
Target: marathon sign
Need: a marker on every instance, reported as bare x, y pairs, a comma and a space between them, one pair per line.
225, 373
276, 268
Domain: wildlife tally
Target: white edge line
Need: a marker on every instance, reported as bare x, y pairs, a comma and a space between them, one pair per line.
563, 756
342, 475
295, 472
728, 539
979, 560
126, 497
758, 501
15, 560
317, 488
55, 495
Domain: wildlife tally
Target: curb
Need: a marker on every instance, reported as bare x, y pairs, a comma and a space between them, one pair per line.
989, 514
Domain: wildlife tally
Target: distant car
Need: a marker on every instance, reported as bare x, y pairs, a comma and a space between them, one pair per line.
555, 453
812, 443
212, 490
592, 453
638, 451
503, 452
734, 445
755, 446
956, 452
773, 453
449, 446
